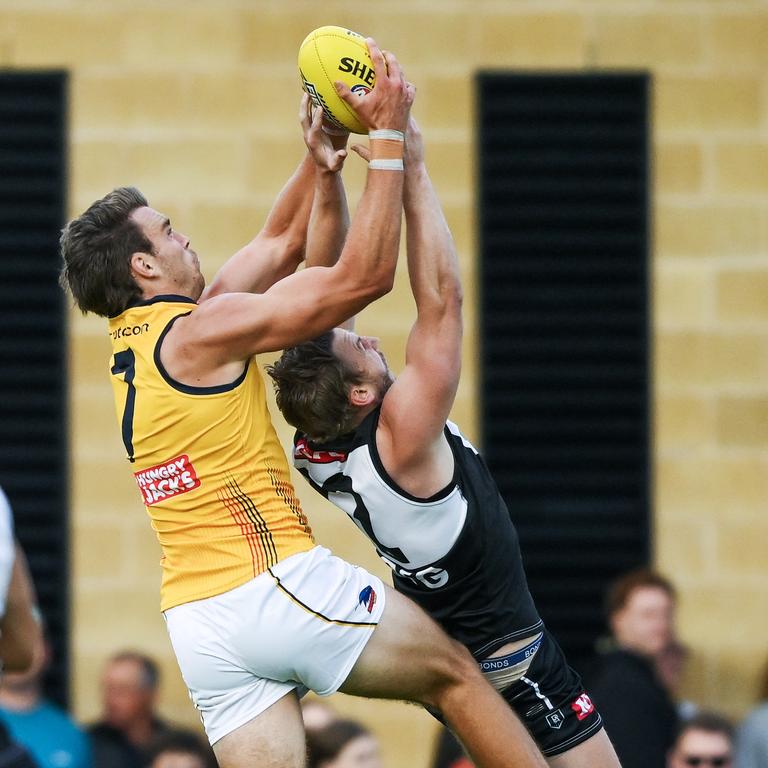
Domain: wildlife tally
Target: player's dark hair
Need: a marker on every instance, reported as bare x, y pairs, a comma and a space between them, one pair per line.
621, 590
97, 247
325, 744
311, 388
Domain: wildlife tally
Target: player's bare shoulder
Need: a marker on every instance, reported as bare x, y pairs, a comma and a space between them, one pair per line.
192, 351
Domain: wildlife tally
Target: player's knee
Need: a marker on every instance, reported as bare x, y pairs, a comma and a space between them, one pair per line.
451, 671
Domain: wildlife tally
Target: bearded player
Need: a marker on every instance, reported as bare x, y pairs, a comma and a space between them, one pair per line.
381, 449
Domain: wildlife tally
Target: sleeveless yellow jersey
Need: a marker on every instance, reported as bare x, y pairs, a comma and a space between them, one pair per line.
207, 462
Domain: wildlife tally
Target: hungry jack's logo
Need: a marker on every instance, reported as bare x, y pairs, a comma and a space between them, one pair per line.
171, 478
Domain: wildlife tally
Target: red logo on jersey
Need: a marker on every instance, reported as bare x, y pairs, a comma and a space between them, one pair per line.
171, 478
302, 451
583, 706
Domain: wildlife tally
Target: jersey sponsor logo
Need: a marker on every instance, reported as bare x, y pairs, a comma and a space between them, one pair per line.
555, 719
583, 706
163, 481
129, 330
302, 451
367, 598
429, 577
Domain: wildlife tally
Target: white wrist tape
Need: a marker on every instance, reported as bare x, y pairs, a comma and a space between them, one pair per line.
386, 165
386, 133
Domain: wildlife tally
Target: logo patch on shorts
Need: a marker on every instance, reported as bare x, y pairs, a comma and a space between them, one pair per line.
171, 478
555, 719
583, 706
368, 598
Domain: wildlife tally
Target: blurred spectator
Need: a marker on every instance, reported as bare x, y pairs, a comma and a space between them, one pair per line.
48, 733
448, 752
130, 727
752, 736
639, 713
181, 750
704, 741
316, 713
19, 625
343, 744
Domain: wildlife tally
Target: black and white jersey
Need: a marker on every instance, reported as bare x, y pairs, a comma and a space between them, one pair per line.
456, 553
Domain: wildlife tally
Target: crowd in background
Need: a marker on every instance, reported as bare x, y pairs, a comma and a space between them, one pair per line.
634, 679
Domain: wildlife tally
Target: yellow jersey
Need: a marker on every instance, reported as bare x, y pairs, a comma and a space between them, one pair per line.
208, 465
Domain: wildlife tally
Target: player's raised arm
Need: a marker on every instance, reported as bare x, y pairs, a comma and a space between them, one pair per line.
415, 408
329, 218
299, 307
278, 248
300, 225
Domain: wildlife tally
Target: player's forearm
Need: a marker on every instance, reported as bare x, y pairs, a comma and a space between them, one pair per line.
371, 248
433, 267
290, 213
279, 247
328, 221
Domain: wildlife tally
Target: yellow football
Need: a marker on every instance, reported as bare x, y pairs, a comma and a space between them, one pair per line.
329, 54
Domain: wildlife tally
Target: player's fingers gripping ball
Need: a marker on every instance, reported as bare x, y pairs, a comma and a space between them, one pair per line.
329, 54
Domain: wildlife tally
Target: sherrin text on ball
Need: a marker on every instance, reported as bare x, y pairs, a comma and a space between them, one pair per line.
330, 54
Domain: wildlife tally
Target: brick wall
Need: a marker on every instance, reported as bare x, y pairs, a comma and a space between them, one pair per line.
196, 104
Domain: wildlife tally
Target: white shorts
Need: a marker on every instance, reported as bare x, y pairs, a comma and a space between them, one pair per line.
301, 626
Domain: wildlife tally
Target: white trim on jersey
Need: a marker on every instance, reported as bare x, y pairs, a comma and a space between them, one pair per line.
424, 531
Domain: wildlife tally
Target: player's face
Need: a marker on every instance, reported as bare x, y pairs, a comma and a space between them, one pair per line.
361, 355
646, 623
178, 261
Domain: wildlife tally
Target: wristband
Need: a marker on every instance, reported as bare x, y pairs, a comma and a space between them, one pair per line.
386, 133
386, 155
386, 150
382, 164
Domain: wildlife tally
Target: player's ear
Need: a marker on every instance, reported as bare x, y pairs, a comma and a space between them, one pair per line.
143, 265
361, 395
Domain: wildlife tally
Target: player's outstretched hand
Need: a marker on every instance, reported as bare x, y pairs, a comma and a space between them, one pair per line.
389, 103
326, 143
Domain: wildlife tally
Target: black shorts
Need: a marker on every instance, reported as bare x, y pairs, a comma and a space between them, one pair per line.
552, 703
